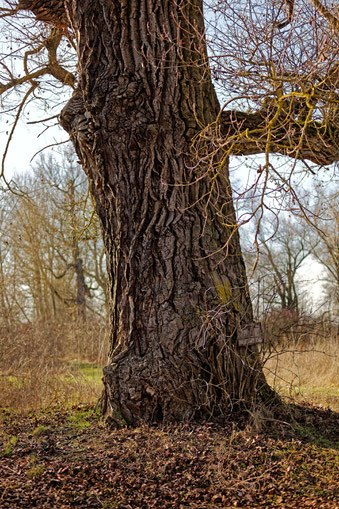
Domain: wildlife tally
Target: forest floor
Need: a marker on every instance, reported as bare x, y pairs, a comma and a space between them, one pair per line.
57, 458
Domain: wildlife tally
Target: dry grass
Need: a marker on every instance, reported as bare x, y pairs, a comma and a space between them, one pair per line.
51, 363
306, 371
47, 363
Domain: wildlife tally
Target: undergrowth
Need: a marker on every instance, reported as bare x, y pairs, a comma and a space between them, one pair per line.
306, 370
46, 364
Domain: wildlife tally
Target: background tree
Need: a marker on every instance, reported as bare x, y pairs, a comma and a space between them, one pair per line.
9, 293
281, 290
178, 297
50, 236
78, 243
282, 253
326, 241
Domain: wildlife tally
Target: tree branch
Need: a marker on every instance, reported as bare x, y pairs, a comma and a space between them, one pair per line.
331, 18
52, 68
255, 133
278, 131
24, 79
4, 12
26, 96
53, 13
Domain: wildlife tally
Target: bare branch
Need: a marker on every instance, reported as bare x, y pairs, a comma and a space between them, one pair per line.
24, 79
43, 120
26, 96
252, 134
49, 146
289, 4
54, 68
8, 12
331, 18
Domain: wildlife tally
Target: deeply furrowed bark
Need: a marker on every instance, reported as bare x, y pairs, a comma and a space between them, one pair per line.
178, 299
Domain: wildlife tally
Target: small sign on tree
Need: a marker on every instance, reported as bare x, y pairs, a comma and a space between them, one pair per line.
251, 334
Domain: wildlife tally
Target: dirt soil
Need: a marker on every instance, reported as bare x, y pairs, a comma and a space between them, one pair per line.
68, 458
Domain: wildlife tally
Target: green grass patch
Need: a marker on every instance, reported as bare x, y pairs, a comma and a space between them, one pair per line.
35, 471
316, 437
81, 419
40, 431
9, 446
13, 380
87, 373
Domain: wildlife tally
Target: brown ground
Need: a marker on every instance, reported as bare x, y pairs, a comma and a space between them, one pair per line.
65, 459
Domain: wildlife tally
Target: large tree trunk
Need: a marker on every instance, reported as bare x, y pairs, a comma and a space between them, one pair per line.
178, 293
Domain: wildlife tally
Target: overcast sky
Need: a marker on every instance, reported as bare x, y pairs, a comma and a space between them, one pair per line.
25, 143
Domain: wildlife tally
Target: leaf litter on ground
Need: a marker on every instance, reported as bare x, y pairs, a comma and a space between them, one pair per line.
69, 458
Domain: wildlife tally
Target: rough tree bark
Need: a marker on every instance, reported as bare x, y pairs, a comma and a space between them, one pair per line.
177, 283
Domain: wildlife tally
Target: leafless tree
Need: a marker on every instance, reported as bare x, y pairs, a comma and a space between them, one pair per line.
281, 257
326, 240
154, 142
51, 246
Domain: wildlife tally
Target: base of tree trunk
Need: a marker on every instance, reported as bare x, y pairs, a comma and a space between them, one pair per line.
156, 389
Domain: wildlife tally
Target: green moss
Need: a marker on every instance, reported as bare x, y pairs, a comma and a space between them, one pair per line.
15, 381
80, 420
8, 448
315, 437
35, 471
225, 291
40, 430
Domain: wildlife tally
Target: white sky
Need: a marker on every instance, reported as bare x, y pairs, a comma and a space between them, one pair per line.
25, 143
